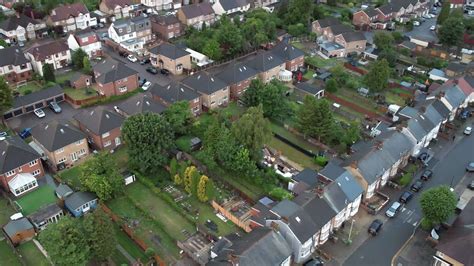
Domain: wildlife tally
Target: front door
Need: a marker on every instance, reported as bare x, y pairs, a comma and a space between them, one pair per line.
117, 141
74, 157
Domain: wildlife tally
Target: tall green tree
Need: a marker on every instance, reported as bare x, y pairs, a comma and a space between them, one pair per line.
229, 37
100, 175
179, 117
252, 130
212, 49
314, 118
383, 41
201, 190
451, 31
100, 234
271, 96
65, 243
299, 11
444, 13
48, 73
438, 204
149, 138
377, 77
78, 58
6, 99
87, 67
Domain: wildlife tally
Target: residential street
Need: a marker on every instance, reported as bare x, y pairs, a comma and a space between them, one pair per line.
449, 162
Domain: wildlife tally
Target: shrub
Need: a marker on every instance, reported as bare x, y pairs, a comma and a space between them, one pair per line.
184, 144
331, 85
26, 92
397, 36
321, 160
406, 179
279, 193
426, 224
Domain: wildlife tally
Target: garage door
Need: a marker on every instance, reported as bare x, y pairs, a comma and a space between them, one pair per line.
59, 98
29, 108
8, 115
50, 100
17, 112
39, 105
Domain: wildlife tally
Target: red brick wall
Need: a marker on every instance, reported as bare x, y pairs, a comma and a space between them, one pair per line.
98, 141
295, 63
163, 30
13, 77
360, 18
112, 88
236, 90
26, 168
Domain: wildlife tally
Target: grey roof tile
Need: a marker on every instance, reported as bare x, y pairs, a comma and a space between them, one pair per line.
265, 61
12, 56
169, 50
327, 22
100, 120
196, 10
141, 103
204, 83
174, 92
286, 51
36, 96
12, 22
15, 152
78, 199
232, 4
236, 72
16, 226
56, 134
110, 70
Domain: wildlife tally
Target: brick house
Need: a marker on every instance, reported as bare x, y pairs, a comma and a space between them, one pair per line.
196, 15
175, 92
168, 56
114, 78
71, 17
116, 8
338, 40
238, 76
87, 40
102, 126
21, 28
214, 92
140, 104
166, 26
229, 7
367, 17
17, 159
294, 57
61, 142
80, 80
321, 26
56, 53
14, 66
267, 65
353, 42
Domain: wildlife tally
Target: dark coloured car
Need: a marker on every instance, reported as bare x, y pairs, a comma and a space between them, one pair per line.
144, 61
417, 186
152, 70
165, 72
212, 225
471, 185
25, 133
426, 175
316, 261
141, 82
123, 54
375, 227
406, 196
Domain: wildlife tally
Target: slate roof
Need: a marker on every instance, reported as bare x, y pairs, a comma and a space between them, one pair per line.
66, 11
165, 20
307, 176
340, 28
204, 82
196, 10
78, 199
286, 51
41, 51
441, 108
332, 171
408, 112
99, 120
231, 4
15, 152
63, 190
263, 247
236, 72
15, 226
36, 96
353, 36
454, 96
12, 22
110, 70
285, 208
265, 61
56, 134
169, 50
309, 88
45, 213
371, 12
456, 67
141, 103
433, 115
349, 186
174, 92
111, 4
416, 129
327, 22
318, 209
302, 225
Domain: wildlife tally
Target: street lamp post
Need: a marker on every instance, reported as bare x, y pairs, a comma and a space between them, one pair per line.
350, 231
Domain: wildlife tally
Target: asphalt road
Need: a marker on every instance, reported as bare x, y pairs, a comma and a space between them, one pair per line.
423, 31
380, 250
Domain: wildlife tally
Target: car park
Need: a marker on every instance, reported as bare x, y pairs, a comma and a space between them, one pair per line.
426, 175
467, 131
417, 186
25, 133
152, 70
39, 113
54, 106
146, 86
132, 58
392, 211
406, 196
470, 167
375, 227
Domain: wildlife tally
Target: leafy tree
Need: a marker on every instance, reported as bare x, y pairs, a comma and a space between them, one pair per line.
297, 29
212, 49
201, 191
383, 40
150, 252
78, 58
100, 175
377, 77
397, 36
314, 118
174, 166
270, 96
195, 177
188, 178
210, 190
339, 73
86, 63
299, 12
91, 4
451, 31
3, 43
6, 99
149, 137
352, 133
100, 234
229, 37
179, 117
65, 243
252, 130
259, 27
48, 73
444, 13
331, 85
438, 204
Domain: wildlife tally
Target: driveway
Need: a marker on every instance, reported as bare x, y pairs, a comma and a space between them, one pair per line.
423, 31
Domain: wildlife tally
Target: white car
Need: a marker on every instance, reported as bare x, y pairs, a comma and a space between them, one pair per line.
39, 113
433, 27
393, 209
132, 58
146, 86
426, 16
416, 23
468, 130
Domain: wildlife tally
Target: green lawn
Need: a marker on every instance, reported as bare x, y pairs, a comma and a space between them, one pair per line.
309, 74
6, 210
292, 154
130, 246
36, 199
80, 94
32, 255
320, 62
118, 258
394, 98
206, 212
64, 77
7, 255
30, 87
297, 140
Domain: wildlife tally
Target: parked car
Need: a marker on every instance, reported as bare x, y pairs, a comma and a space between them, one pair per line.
393, 209
406, 196
416, 23
471, 185
316, 261
433, 27
123, 54
165, 72
146, 86
426, 175
375, 227
54, 106
426, 16
467, 131
3, 135
25, 133
39, 113
144, 61
142, 82
132, 58
470, 167
152, 70
417, 186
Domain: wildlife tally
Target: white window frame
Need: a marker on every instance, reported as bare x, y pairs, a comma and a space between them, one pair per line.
10, 173
62, 160
106, 134
58, 151
33, 163
36, 172
107, 143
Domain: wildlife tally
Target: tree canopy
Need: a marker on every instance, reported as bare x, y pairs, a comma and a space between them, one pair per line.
438, 204
6, 99
451, 31
48, 73
179, 116
270, 96
78, 58
444, 13
377, 77
100, 234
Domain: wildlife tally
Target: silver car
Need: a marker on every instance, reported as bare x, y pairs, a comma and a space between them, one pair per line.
392, 211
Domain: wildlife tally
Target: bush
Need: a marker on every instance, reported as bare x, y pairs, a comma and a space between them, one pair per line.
406, 179
184, 143
321, 160
331, 85
426, 224
26, 92
279, 193
397, 36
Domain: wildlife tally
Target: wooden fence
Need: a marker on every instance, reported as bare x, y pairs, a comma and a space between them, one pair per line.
83, 101
355, 69
356, 107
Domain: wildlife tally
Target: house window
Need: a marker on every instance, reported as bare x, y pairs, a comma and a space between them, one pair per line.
82, 152
59, 150
36, 172
10, 173
32, 163
196, 100
106, 134
79, 142
107, 143
123, 89
10, 67
62, 160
